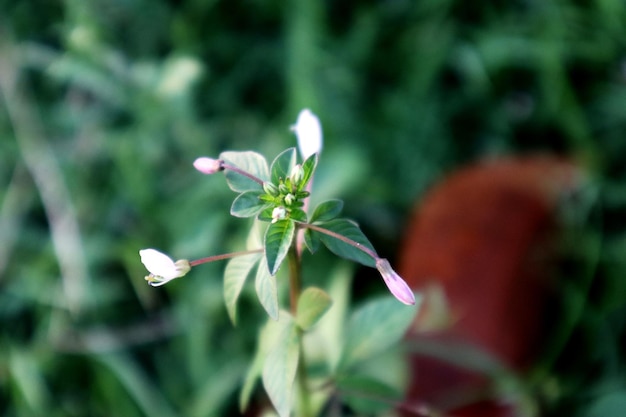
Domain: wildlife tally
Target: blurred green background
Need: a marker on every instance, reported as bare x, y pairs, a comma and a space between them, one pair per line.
106, 103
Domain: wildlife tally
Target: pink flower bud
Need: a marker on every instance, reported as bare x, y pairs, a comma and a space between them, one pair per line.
207, 165
395, 283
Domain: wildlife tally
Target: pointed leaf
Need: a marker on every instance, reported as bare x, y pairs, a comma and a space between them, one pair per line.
375, 327
327, 210
280, 368
312, 305
298, 215
247, 204
266, 340
282, 165
312, 240
254, 372
266, 215
309, 169
278, 238
250, 162
235, 274
352, 231
265, 285
367, 395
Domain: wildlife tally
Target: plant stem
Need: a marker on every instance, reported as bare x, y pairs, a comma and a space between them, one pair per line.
223, 256
295, 286
294, 280
242, 172
344, 239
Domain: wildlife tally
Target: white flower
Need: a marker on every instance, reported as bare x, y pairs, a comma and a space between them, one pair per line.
309, 133
279, 213
397, 286
161, 267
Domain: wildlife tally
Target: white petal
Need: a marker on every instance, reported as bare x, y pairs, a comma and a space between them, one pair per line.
309, 133
158, 263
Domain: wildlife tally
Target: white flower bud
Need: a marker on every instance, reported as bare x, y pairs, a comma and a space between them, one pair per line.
309, 133
278, 213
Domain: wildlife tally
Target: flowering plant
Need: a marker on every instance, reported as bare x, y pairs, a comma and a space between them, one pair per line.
277, 196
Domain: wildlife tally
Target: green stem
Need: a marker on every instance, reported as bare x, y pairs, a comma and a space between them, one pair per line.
223, 256
295, 286
344, 239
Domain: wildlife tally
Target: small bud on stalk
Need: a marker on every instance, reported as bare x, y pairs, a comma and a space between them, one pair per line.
208, 166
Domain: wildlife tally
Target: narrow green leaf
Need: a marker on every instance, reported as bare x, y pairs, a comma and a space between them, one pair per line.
266, 214
375, 327
265, 285
312, 305
250, 162
367, 395
312, 240
280, 368
278, 238
247, 204
235, 274
309, 169
283, 164
254, 372
352, 231
266, 340
327, 210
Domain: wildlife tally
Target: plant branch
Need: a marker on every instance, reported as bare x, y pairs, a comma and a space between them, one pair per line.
223, 256
295, 286
344, 239
242, 172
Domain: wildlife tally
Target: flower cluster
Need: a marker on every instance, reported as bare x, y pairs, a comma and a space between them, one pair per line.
277, 194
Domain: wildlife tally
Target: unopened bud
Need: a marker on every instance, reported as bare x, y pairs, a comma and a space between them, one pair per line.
283, 189
309, 133
270, 189
297, 173
397, 286
289, 199
208, 165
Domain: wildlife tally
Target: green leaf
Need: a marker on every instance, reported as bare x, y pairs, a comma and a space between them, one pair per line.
266, 215
283, 164
312, 240
247, 204
250, 162
254, 372
280, 368
309, 169
266, 340
298, 215
610, 404
235, 274
352, 231
265, 285
375, 327
278, 238
327, 210
367, 395
312, 305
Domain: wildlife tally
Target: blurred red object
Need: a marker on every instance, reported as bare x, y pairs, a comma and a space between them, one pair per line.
478, 243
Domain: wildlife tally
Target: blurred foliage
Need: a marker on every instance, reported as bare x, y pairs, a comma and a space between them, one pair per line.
106, 103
